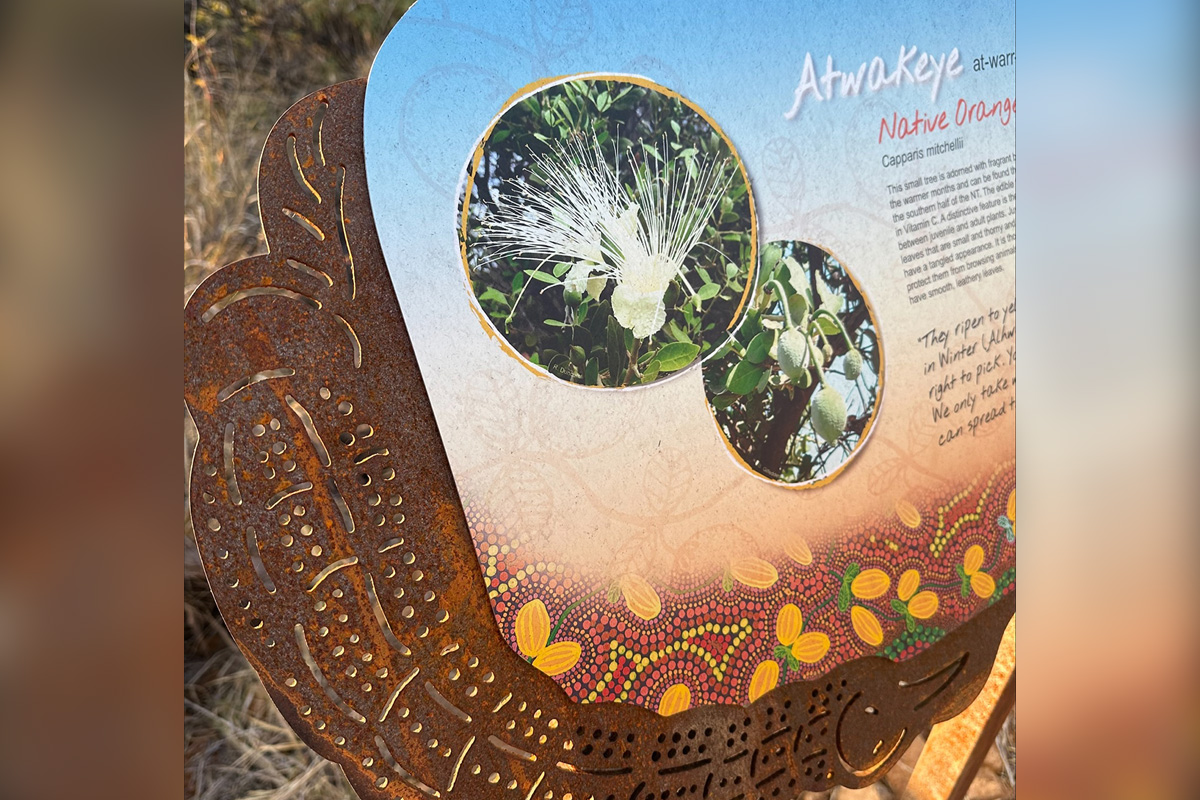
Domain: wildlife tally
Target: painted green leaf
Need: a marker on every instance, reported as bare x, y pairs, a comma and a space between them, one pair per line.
708, 291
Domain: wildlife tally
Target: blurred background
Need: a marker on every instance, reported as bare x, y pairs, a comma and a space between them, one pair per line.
90, 405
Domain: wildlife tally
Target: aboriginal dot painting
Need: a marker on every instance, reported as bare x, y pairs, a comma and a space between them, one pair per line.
892, 588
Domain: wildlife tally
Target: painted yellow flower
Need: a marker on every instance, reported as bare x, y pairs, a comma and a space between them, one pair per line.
972, 578
557, 658
754, 572
675, 699
641, 597
533, 628
797, 550
913, 605
869, 584
866, 625
533, 633
908, 514
789, 624
766, 678
796, 647
809, 648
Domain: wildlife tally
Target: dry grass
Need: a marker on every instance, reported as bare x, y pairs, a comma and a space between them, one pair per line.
245, 62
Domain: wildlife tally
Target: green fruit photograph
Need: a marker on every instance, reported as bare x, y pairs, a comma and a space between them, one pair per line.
796, 390
608, 231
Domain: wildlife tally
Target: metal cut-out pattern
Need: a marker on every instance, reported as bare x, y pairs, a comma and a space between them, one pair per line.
338, 551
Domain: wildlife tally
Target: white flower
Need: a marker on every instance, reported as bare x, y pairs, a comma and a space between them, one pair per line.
638, 237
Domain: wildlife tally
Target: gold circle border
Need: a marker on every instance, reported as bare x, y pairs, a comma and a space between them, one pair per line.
862, 439
532, 88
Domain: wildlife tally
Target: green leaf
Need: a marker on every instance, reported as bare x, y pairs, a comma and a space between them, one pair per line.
704, 276
672, 328
827, 325
677, 355
518, 282
591, 373
603, 101
727, 582
617, 354
708, 291
650, 374
723, 401
899, 606
743, 378
561, 269
675, 127
757, 350
798, 305
493, 295
652, 150
782, 651
770, 256
537, 275
501, 135
553, 323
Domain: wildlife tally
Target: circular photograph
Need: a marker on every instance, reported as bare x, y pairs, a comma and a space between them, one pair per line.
796, 391
608, 231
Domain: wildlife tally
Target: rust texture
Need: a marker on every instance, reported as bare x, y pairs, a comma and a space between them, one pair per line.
336, 547
955, 748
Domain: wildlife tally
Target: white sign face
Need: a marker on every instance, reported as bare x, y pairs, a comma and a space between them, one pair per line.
687, 289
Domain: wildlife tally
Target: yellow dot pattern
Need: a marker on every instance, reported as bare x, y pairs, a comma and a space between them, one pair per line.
943, 535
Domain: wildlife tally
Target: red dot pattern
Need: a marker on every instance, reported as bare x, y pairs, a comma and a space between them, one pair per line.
713, 632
